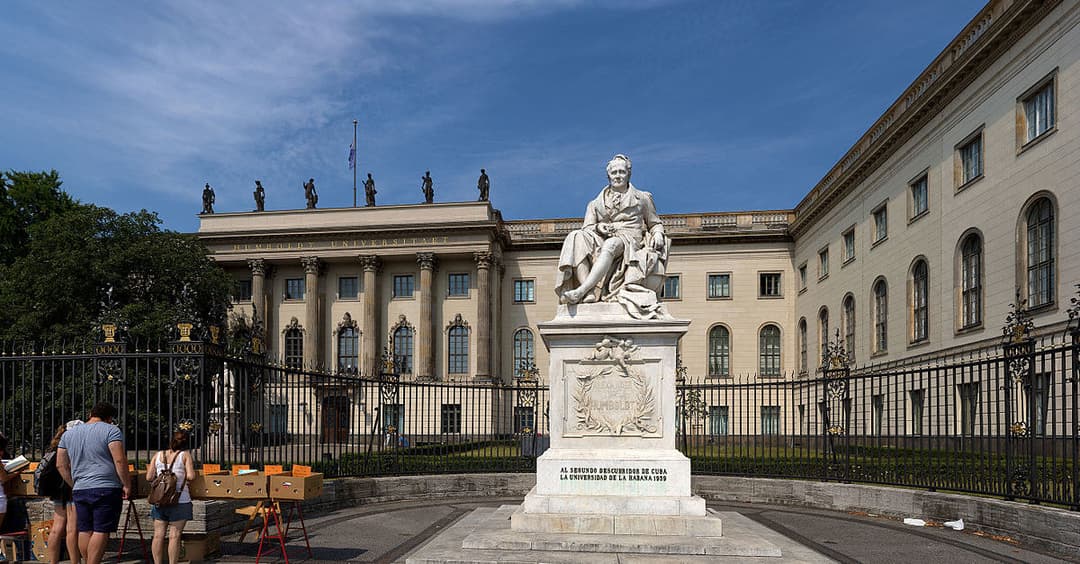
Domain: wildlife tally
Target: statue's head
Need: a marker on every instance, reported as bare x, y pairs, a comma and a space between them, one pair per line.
618, 170
258, 183
482, 171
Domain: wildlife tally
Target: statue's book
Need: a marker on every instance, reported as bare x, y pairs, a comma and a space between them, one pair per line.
16, 464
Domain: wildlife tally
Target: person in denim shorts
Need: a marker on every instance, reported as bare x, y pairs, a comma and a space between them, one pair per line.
92, 460
172, 517
63, 529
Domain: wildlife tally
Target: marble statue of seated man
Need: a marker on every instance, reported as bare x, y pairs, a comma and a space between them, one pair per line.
620, 253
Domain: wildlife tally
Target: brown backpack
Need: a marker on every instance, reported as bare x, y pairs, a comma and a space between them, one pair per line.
163, 490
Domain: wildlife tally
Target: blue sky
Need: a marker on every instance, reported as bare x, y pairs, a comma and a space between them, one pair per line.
722, 105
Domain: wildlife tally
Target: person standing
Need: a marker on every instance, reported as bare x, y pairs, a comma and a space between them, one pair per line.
63, 529
4, 477
92, 460
172, 517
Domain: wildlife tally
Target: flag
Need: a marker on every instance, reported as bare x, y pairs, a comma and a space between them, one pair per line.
352, 156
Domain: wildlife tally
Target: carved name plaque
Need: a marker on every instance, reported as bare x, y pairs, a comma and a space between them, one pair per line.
610, 393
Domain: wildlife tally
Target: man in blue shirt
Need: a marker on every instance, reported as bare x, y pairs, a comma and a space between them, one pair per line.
92, 459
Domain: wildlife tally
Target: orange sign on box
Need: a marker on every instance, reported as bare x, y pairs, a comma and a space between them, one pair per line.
238, 467
211, 468
301, 471
271, 469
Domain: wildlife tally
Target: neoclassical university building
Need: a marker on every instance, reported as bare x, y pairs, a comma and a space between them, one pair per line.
913, 244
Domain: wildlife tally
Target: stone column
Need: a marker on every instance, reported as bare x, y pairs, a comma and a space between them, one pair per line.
484, 262
370, 323
425, 368
312, 354
258, 286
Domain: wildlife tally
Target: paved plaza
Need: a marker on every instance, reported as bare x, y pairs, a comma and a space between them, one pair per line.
390, 532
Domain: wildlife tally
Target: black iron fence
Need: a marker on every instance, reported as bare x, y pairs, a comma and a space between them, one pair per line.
1000, 421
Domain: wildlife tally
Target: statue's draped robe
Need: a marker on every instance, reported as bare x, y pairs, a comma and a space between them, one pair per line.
636, 277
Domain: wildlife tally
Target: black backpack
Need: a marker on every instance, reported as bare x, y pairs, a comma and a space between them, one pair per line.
47, 479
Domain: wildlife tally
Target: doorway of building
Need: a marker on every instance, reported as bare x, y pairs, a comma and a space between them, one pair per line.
335, 419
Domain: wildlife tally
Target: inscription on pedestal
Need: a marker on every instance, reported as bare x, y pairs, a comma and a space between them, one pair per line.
612, 393
594, 473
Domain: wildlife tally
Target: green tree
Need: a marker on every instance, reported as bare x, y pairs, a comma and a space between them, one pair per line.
81, 265
27, 198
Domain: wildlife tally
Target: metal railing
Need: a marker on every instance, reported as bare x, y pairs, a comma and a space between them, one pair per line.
1001, 422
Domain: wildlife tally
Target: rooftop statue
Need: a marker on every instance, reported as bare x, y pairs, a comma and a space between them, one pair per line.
426, 188
369, 191
208, 199
260, 196
620, 253
310, 194
483, 184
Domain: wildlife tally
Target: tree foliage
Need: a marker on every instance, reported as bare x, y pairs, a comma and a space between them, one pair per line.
69, 266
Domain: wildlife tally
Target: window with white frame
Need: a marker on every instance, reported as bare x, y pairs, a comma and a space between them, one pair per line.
969, 157
348, 287
802, 277
294, 288
916, 399
719, 286
1038, 111
770, 420
457, 284
718, 420
881, 317
524, 291
671, 289
769, 285
450, 420
524, 352
877, 413
403, 349
769, 351
849, 245
920, 197
294, 348
849, 325
920, 310
719, 351
348, 350
1040, 253
968, 408
458, 350
881, 223
242, 290
802, 346
403, 285
823, 333
971, 281
823, 263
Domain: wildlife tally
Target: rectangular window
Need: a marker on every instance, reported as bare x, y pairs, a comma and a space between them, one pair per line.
450, 422
769, 285
718, 419
1039, 111
916, 397
457, 285
279, 419
970, 157
969, 407
403, 285
877, 404
802, 277
1043, 396
524, 291
823, 263
920, 200
881, 223
294, 288
524, 419
770, 420
348, 288
243, 290
671, 288
719, 286
849, 244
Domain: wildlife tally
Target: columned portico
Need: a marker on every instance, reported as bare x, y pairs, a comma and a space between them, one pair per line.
258, 286
370, 323
312, 355
426, 365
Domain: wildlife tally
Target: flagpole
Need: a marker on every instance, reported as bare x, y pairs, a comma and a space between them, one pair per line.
354, 163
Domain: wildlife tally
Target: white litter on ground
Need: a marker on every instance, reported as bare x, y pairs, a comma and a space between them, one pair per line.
914, 522
957, 525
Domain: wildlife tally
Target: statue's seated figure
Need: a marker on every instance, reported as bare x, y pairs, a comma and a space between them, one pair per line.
620, 253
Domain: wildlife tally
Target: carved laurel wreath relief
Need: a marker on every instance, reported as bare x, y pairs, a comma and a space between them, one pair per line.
613, 358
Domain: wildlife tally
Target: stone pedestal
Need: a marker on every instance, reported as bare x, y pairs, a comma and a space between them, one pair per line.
612, 467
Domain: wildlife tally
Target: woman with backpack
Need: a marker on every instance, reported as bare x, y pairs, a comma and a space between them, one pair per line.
64, 527
169, 476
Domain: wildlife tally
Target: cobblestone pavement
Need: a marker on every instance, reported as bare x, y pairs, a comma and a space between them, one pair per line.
388, 532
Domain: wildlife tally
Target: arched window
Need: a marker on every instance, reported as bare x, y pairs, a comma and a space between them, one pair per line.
802, 345
769, 350
458, 350
403, 348
823, 332
348, 350
881, 316
524, 353
294, 348
849, 325
719, 351
920, 309
971, 281
1040, 253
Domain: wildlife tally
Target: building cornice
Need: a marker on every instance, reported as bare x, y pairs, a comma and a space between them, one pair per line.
982, 41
